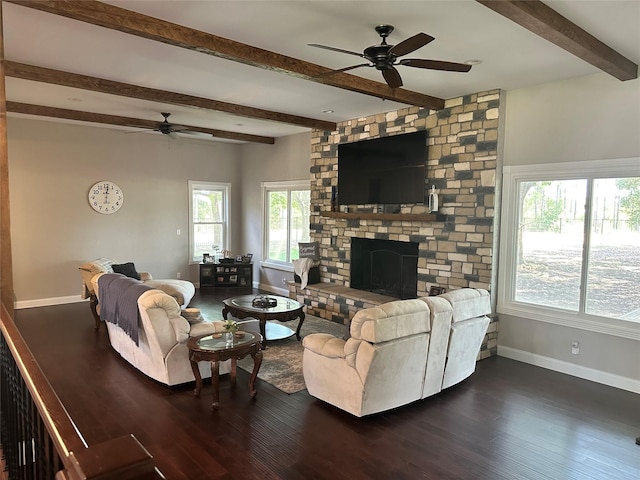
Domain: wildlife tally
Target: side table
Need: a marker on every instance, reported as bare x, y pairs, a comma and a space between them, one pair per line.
214, 350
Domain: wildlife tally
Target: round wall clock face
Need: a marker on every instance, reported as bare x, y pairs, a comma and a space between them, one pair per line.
106, 197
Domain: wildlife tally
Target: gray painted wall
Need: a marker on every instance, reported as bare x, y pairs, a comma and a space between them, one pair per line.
590, 118
53, 228
288, 159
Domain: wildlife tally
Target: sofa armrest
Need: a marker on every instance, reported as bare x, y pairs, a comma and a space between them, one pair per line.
181, 327
205, 328
325, 345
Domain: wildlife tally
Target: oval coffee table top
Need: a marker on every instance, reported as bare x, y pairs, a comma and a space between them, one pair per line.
209, 343
244, 302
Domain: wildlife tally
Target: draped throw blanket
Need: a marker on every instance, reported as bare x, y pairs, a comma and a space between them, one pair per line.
119, 301
301, 268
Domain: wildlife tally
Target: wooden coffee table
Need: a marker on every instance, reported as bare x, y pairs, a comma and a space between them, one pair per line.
285, 310
214, 350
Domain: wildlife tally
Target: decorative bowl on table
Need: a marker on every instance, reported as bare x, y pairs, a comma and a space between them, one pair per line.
263, 301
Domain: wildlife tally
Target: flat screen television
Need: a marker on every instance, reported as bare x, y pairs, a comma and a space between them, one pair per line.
386, 170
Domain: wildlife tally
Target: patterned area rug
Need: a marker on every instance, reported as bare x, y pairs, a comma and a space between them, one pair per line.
282, 360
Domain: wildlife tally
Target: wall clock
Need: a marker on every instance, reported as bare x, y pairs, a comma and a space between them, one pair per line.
106, 197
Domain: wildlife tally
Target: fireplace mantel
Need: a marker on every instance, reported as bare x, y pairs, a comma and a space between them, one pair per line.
400, 217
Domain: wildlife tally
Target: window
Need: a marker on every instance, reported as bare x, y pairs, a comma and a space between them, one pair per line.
208, 220
570, 243
286, 220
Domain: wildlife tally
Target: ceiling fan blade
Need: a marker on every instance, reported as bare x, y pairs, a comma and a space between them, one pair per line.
325, 47
392, 77
332, 72
411, 44
435, 65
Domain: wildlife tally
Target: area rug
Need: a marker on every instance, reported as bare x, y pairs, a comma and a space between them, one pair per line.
282, 360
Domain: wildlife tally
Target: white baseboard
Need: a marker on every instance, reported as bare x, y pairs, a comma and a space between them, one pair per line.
598, 376
277, 290
46, 302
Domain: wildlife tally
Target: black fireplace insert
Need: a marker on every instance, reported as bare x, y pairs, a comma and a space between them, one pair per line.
387, 267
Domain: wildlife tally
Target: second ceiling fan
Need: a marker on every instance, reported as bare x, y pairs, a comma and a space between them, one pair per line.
384, 57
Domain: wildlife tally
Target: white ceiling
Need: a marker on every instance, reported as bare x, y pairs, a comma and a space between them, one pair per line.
512, 57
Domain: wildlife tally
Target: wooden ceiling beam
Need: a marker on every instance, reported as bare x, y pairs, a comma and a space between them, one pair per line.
53, 112
94, 84
542, 20
144, 26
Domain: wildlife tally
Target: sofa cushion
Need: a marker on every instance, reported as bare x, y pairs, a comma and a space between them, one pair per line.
128, 269
90, 269
99, 265
391, 320
468, 303
182, 290
206, 328
192, 315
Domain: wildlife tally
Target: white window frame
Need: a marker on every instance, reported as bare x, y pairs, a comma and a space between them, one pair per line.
200, 185
512, 176
288, 185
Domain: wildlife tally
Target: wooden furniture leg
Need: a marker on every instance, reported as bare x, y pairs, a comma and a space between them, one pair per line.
262, 320
300, 325
257, 361
196, 374
93, 305
232, 374
215, 381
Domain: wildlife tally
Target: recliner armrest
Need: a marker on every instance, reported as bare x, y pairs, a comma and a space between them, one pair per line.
205, 328
324, 344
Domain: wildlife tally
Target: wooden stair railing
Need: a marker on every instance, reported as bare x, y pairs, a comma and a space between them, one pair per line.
38, 437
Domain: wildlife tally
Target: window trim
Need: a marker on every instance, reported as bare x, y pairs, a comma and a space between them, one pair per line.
512, 176
226, 188
288, 185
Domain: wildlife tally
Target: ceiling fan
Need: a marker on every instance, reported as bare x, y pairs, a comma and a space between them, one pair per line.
384, 57
170, 129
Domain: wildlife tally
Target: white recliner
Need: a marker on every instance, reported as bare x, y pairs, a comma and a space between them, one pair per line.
161, 351
469, 323
398, 352
182, 290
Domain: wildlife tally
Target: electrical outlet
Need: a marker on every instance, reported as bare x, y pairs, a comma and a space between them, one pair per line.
178, 275
575, 347
284, 280
178, 232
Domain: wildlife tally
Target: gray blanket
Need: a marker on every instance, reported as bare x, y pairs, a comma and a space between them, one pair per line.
119, 302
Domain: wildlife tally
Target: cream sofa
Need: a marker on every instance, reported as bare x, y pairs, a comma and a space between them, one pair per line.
161, 350
398, 352
181, 290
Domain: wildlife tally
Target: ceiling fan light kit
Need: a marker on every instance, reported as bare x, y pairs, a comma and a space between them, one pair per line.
384, 57
167, 128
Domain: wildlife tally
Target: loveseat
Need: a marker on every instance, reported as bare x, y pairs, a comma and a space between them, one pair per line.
398, 352
159, 349
181, 290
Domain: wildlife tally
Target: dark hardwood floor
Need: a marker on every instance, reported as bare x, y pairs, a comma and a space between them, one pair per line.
509, 420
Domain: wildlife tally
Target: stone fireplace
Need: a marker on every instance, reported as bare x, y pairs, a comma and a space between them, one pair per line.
455, 247
387, 267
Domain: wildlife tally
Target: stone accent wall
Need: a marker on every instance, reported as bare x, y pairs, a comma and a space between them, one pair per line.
456, 250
